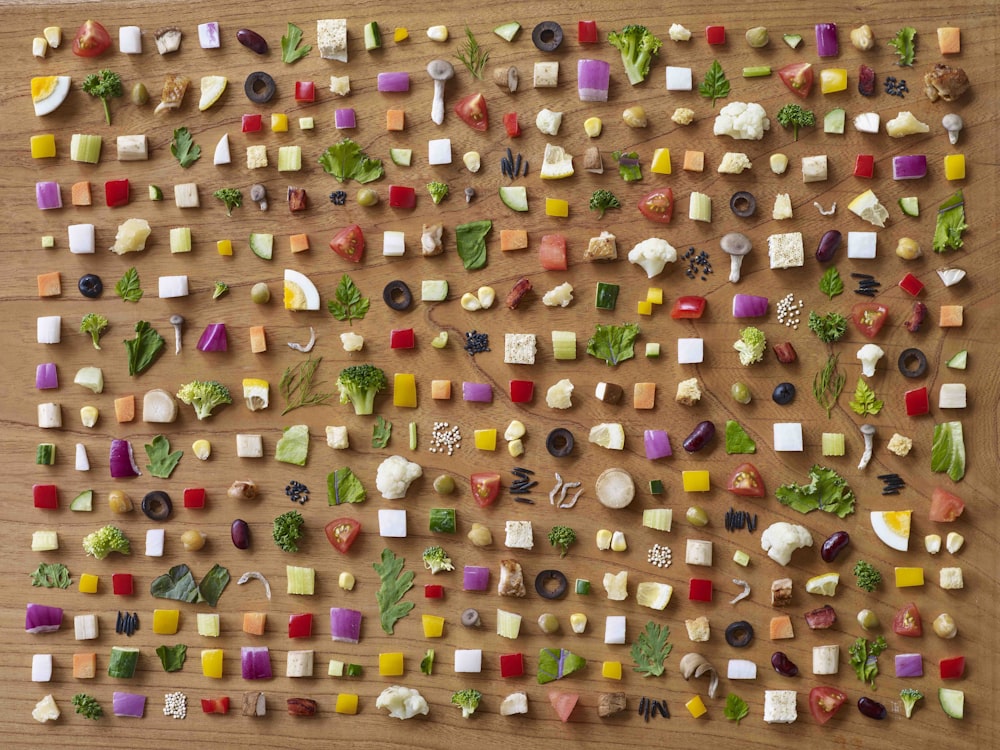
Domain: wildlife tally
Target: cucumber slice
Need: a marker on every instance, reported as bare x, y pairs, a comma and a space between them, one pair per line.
123, 661
515, 197
959, 361
507, 31
910, 205
83, 502
953, 702
155, 193
833, 122
262, 244
373, 37
45, 455
401, 156
792, 40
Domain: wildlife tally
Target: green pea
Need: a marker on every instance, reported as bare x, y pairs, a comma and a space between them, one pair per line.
444, 484
696, 516
548, 622
260, 293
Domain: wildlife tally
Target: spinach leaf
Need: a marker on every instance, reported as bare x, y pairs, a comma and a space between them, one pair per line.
177, 583
213, 584
172, 657
470, 241
142, 350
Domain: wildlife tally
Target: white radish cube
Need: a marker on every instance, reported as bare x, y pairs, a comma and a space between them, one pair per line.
180, 240
222, 154
249, 446
614, 629
49, 329
336, 437
85, 627
741, 669
469, 660
393, 244
679, 79
208, 35
861, 245
173, 286
130, 40
788, 436
439, 151
44, 541
208, 624
698, 552
81, 239
41, 667
392, 523
186, 195
690, 351
154, 542
299, 664
952, 396
49, 416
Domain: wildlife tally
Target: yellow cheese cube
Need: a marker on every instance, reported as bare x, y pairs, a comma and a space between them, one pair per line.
696, 706
43, 146
611, 670
954, 167
833, 80
166, 621
211, 662
88, 583
208, 624
279, 123
225, 247
390, 664
644, 307
654, 295
661, 161
696, 481
433, 626
404, 390
556, 207
486, 440
909, 577
347, 703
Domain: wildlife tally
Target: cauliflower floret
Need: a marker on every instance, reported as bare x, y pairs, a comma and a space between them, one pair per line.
652, 255
869, 354
742, 121
678, 33
781, 539
402, 702
395, 475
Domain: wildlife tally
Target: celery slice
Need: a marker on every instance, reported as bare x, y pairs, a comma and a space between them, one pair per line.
564, 344
301, 581
757, 71
833, 444
508, 624
700, 208
660, 519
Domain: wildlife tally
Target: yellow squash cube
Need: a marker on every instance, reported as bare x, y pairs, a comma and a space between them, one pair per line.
696, 706
611, 670
225, 247
88, 583
696, 481
433, 626
208, 624
211, 662
390, 664
644, 307
909, 577
43, 146
486, 440
166, 621
661, 161
954, 167
556, 207
279, 122
404, 390
347, 703
833, 80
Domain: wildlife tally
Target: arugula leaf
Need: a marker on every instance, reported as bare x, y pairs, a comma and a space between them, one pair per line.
715, 86
826, 490
830, 283
128, 286
905, 44
865, 402
651, 649
736, 708
381, 431
290, 50
950, 224
346, 161
184, 149
51, 576
343, 486
142, 350
828, 328
349, 304
395, 584
613, 344
628, 165
470, 242
737, 439
172, 657
161, 461
864, 658
948, 450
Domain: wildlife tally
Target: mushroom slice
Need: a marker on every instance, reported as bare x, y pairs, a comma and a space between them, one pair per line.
696, 665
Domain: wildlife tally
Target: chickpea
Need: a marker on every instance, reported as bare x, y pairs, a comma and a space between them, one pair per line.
635, 117
862, 37
119, 502
480, 535
548, 623
757, 37
193, 540
908, 249
945, 626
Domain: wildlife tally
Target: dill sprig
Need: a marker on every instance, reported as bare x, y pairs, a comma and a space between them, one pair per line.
472, 55
297, 385
828, 384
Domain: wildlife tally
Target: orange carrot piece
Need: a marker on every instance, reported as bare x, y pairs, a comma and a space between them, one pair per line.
81, 194
84, 666
254, 622
644, 395
781, 627
258, 342
395, 119
49, 284
125, 408
513, 239
298, 243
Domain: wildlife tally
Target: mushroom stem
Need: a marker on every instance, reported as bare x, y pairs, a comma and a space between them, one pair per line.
868, 430
735, 264
177, 321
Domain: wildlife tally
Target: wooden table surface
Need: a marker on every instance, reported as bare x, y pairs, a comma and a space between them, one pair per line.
974, 608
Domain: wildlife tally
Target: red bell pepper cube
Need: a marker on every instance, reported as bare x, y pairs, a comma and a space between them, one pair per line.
911, 285
215, 705
401, 196
511, 124
402, 338
121, 584
586, 32
952, 667
511, 665
251, 123
864, 166
917, 402
194, 497
715, 35
305, 91
689, 307
700, 590
46, 496
300, 625
433, 591
116, 193
522, 391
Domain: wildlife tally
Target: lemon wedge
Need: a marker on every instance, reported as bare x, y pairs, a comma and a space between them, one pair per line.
868, 208
893, 528
556, 163
300, 292
211, 89
48, 92
824, 585
608, 435
256, 393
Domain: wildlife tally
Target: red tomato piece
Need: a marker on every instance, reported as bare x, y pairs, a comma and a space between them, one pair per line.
715, 35
305, 91
91, 39
342, 532
798, 77
522, 391
349, 243
907, 622
917, 402
586, 32
300, 625
194, 497
116, 193
485, 487
746, 481
215, 705
402, 338
690, 307
700, 590
824, 702
401, 196
552, 252
869, 317
45, 496
472, 111
945, 507
952, 667
121, 584
864, 166
511, 665
251, 123
658, 205
511, 125
433, 591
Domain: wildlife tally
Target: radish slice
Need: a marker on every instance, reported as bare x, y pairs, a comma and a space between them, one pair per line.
593, 80
128, 704
82, 460
40, 618
214, 338
122, 460
46, 376
393, 82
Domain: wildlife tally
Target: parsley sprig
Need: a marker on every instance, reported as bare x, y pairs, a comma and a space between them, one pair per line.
348, 303
128, 286
865, 402
290, 50
184, 149
715, 86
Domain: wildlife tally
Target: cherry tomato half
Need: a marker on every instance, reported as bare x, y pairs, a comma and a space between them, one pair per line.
945, 507
746, 481
907, 622
658, 205
869, 317
342, 532
824, 702
472, 110
349, 243
485, 487
91, 39
798, 77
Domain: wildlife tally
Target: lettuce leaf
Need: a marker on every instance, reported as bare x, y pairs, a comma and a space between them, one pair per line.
948, 450
343, 486
826, 490
346, 161
950, 224
613, 344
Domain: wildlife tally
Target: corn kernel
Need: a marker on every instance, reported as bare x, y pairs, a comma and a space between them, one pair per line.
433, 626
696, 481
779, 163
404, 390
225, 247
954, 167
611, 670
88, 583
346, 581
618, 543
400, 34
165, 621
202, 449
557, 207
696, 706
211, 662
604, 539
578, 621
654, 295
909, 577
486, 440
661, 161
593, 126
515, 448
644, 307
390, 664
279, 122
954, 541
832, 80
43, 146
89, 415
932, 543
347, 703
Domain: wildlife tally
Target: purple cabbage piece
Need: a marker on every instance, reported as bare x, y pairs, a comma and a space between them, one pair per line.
128, 704
344, 119
909, 665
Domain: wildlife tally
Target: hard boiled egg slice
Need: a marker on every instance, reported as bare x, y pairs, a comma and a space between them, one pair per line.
300, 292
892, 527
48, 92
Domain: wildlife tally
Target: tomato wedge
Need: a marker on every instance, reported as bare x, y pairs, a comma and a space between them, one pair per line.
798, 77
472, 110
907, 622
658, 205
746, 481
485, 487
869, 317
824, 702
511, 124
91, 39
342, 532
349, 243
945, 507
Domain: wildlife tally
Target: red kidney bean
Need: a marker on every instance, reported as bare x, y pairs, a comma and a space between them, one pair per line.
834, 545
783, 665
699, 437
828, 245
871, 708
240, 532
252, 41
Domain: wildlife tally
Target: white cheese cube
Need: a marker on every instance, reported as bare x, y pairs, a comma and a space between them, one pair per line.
173, 286
81, 239
469, 660
392, 523
331, 36
393, 244
130, 40
519, 348
439, 151
299, 664
861, 245
679, 79
546, 75
41, 667
614, 629
788, 436
249, 446
779, 706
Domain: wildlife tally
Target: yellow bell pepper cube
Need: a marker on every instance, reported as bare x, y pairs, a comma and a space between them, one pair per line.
347, 703
696, 481
404, 390
43, 146
211, 662
225, 247
654, 295
88, 583
909, 577
644, 307
611, 670
661, 161
833, 80
390, 664
433, 626
556, 207
166, 621
400, 34
696, 706
954, 167
208, 624
279, 122
486, 440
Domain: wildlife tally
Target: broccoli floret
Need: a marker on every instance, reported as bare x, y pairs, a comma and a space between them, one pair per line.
287, 530
637, 46
106, 540
750, 346
562, 536
104, 85
602, 200
868, 577
204, 396
438, 191
909, 696
94, 324
436, 560
221, 287
795, 115
359, 384
468, 699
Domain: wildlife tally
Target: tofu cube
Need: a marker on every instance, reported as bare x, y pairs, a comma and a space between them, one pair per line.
779, 706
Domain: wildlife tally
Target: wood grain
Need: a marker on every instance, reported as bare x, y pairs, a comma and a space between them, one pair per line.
974, 608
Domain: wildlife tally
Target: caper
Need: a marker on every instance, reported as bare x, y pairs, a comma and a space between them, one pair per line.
367, 197
193, 540
696, 516
548, 622
444, 484
944, 626
757, 36
740, 393
260, 293
867, 619
139, 94
119, 502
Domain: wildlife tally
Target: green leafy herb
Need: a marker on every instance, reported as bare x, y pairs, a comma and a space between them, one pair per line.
172, 657
51, 576
348, 303
830, 283
736, 708
905, 44
868, 576
88, 706
737, 439
395, 583
94, 324
715, 86
864, 658
796, 116
184, 149
161, 461
472, 55
601, 200
950, 224
948, 450
232, 197
613, 344
297, 384
104, 85
381, 431
343, 486
470, 242
651, 649
346, 161
826, 490
427, 663
128, 286
865, 403
287, 530
628, 165
828, 384
178, 584
290, 50
828, 328
142, 350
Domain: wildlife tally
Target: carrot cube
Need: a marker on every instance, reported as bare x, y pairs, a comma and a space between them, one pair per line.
949, 40
80, 194
395, 119
258, 342
254, 622
781, 628
298, 243
952, 316
125, 408
694, 161
49, 284
85, 666
644, 395
513, 239
441, 389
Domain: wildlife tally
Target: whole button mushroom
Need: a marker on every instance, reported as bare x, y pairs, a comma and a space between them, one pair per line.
736, 245
953, 124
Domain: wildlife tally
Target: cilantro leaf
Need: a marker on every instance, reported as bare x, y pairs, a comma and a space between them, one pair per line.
348, 304
127, 287
346, 161
184, 149
161, 461
865, 402
381, 431
290, 50
613, 344
51, 576
715, 86
830, 283
470, 243
736, 708
395, 584
905, 44
826, 490
651, 649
